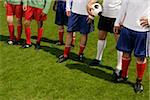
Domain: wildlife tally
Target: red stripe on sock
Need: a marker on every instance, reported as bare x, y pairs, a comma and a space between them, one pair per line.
11, 32
19, 30
40, 33
66, 51
28, 35
81, 49
125, 65
61, 34
140, 70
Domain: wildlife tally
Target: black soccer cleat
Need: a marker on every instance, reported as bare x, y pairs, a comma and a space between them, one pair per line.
95, 62
116, 76
80, 57
121, 80
37, 46
61, 59
138, 87
26, 46
17, 42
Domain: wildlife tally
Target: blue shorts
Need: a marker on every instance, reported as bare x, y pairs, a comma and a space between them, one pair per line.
79, 23
130, 40
61, 18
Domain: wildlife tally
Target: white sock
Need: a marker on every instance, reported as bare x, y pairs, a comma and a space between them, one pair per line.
101, 44
119, 60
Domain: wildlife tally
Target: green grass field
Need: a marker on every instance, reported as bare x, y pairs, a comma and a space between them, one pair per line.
27, 74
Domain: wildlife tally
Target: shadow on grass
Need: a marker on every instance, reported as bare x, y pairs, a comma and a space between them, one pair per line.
44, 39
57, 52
4, 38
95, 72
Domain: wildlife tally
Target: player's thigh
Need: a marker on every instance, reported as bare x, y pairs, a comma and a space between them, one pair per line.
126, 41
140, 44
102, 35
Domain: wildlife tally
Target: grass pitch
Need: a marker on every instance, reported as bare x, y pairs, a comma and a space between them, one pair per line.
27, 74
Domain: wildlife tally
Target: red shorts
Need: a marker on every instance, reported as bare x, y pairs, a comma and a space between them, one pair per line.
12, 10
34, 13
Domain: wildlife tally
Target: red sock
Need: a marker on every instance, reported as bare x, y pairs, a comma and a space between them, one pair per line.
140, 70
81, 49
125, 65
19, 30
66, 51
40, 32
11, 31
28, 35
61, 34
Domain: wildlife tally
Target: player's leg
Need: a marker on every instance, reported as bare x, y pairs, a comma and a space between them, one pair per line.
140, 66
19, 15
140, 54
40, 33
60, 35
65, 55
126, 45
73, 39
27, 22
83, 41
9, 14
118, 69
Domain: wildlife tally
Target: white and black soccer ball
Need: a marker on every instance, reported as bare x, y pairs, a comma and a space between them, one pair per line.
96, 9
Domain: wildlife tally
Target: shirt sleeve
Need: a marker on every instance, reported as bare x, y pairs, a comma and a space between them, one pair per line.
47, 6
25, 2
122, 13
68, 5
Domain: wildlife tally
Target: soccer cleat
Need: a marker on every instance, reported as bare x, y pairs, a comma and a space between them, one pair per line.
80, 57
138, 87
121, 79
37, 46
59, 43
95, 62
61, 59
26, 46
10, 42
17, 42
116, 76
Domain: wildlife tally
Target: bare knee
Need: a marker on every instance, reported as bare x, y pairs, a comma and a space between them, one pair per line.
102, 35
10, 19
27, 23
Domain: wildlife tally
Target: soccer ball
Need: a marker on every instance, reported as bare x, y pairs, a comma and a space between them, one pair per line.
96, 9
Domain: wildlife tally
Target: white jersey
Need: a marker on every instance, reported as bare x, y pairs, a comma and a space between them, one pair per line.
111, 8
131, 12
78, 6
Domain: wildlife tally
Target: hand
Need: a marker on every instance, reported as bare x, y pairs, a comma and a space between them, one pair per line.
89, 19
25, 8
116, 29
144, 22
89, 8
43, 16
68, 13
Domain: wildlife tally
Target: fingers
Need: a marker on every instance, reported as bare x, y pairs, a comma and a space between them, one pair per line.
144, 22
68, 13
116, 29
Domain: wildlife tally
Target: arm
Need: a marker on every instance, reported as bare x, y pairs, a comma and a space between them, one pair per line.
25, 3
68, 7
121, 16
55, 5
47, 6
